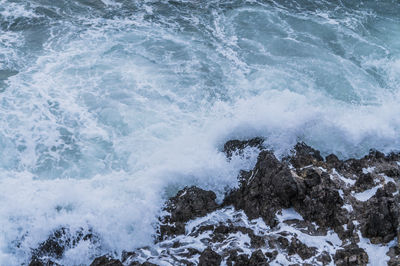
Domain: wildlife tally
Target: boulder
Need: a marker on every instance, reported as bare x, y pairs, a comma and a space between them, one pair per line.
351, 255
209, 257
304, 155
106, 261
189, 203
237, 146
381, 217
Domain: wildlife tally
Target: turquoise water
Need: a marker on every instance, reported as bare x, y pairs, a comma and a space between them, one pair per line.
107, 107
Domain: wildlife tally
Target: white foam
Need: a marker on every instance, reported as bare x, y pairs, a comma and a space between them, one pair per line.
348, 181
368, 170
288, 214
367, 194
376, 253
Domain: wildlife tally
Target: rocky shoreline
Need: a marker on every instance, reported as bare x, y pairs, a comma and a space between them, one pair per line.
301, 210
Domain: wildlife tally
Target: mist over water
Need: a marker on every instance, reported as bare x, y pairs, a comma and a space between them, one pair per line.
108, 107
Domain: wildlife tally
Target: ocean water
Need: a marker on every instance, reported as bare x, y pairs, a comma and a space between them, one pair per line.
107, 107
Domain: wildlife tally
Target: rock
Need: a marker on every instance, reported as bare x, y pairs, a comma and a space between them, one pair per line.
146, 263
61, 240
209, 257
301, 184
238, 146
106, 261
354, 166
297, 247
258, 259
37, 262
394, 255
381, 217
237, 260
364, 182
333, 161
271, 186
304, 155
322, 204
325, 258
191, 203
222, 231
188, 204
351, 255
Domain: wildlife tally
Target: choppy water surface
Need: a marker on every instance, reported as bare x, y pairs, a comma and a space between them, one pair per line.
108, 106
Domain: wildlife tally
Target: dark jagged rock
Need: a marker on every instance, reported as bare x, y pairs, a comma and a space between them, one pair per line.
61, 240
324, 258
271, 185
209, 257
394, 255
223, 231
351, 255
364, 182
146, 263
238, 146
381, 219
44, 262
309, 196
271, 255
333, 161
304, 155
297, 247
320, 200
188, 204
258, 259
106, 261
235, 259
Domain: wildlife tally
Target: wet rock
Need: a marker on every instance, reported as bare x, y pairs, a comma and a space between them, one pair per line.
375, 155
381, 218
333, 161
269, 187
392, 172
364, 182
394, 255
258, 259
303, 182
221, 232
390, 188
271, 255
237, 260
304, 155
167, 230
106, 261
325, 258
311, 177
322, 204
297, 247
354, 166
191, 203
61, 240
38, 262
209, 257
128, 255
146, 263
351, 255
188, 204
238, 146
